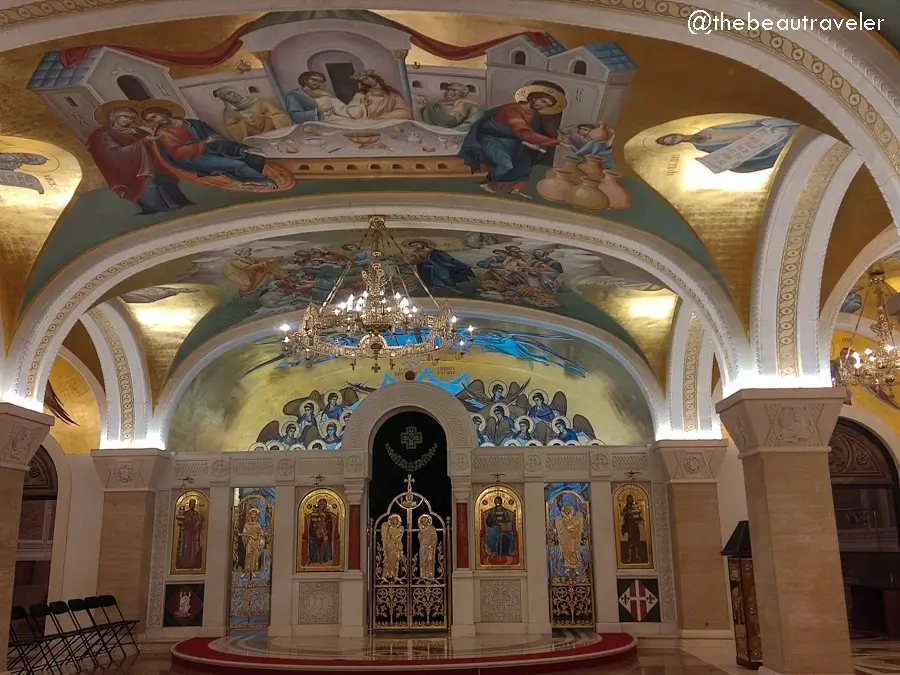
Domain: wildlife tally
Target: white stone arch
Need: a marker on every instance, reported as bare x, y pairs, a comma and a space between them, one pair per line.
430, 399
128, 401
191, 367
53, 312
92, 382
689, 370
793, 239
884, 244
841, 73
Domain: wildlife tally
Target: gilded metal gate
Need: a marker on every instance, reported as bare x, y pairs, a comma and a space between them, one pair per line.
408, 566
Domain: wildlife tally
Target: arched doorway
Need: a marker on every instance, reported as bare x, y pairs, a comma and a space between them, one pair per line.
866, 495
410, 502
35, 546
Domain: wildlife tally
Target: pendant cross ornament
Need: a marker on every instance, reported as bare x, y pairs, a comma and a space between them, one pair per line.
409, 481
411, 438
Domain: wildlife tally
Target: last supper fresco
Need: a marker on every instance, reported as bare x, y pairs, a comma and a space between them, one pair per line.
331, 102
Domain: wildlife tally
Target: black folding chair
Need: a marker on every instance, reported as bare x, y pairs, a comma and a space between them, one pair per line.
109, 602
64, 645
99, 641
85, 637
112, 630
27, 651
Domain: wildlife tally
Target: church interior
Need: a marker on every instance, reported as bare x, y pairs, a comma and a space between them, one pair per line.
538, 336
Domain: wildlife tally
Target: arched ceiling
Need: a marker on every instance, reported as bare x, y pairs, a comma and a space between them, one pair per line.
686, 147
242, 400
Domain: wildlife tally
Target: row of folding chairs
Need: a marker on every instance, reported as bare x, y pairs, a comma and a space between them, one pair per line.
80, 633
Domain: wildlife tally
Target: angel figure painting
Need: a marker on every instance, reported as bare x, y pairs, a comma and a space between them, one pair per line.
189, 536
634, 549
320, 519
498, 525
511, 414
251, 556
316, 421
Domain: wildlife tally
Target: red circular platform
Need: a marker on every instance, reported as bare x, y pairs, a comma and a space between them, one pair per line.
496, 654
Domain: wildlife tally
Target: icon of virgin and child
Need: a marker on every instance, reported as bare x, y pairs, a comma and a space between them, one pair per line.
143, 149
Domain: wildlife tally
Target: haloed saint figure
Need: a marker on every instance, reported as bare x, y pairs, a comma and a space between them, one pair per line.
190, 527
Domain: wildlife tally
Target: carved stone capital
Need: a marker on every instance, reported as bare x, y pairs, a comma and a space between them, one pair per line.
284, 471
264, 55
356, 465
400, 54
691, 461
601, 463
354, 490
462, 490
131, 470
21, 433
220, 472
781, 420
460, 463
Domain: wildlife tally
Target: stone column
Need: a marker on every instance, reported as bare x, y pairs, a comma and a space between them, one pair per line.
357, 470
129, 478
463, 596
606, 596
538, 591
218, 557
692, 467
783, 436
21, 433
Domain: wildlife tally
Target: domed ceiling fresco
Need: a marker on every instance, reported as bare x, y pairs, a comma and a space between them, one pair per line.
521, 386
147, 128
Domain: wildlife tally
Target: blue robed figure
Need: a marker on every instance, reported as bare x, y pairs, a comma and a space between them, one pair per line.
715, 138
509, 138
194, 146
500, 530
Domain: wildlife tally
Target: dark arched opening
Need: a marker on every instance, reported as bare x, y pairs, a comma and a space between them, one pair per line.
133, 88
864, 485
410, 497
35, 544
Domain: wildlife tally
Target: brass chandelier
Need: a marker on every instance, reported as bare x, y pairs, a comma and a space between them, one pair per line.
382, 323
876, 367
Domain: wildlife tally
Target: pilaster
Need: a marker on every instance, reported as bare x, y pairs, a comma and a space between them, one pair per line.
21, 433
606, 612
130, 479
692, 468
463, 577
218, 558
283, 550
783, 436
538, 592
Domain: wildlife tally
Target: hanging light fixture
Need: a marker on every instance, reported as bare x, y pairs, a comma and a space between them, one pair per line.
875, 367
382, 323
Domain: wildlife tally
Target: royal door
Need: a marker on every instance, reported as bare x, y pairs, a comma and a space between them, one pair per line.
408, 566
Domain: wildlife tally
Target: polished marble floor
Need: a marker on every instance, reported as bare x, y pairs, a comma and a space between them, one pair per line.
871, 657
438, 647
